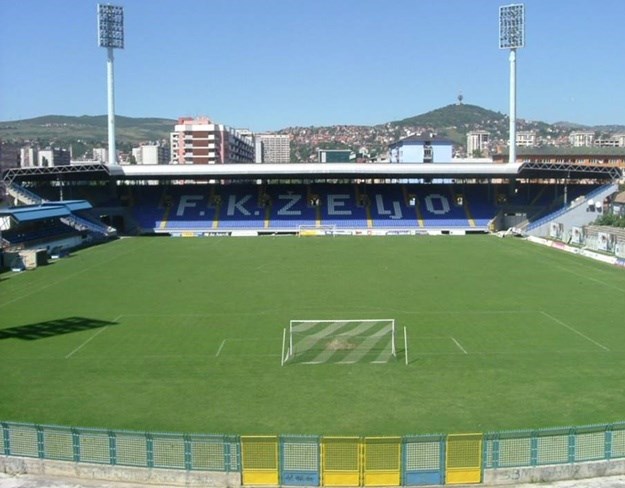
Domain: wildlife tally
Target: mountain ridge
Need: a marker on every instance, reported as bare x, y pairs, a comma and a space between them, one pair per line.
453, 121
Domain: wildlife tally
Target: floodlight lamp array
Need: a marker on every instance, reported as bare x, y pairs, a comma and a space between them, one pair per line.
110, 26
511, 26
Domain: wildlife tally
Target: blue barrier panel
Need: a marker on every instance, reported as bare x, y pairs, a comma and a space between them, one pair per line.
299, 460
423, 460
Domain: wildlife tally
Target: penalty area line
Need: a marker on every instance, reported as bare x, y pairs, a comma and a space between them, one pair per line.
459, 346
223, 343
572, 329
86, 342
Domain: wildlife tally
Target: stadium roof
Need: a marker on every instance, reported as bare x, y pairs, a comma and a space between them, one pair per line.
268, 171
30, 213
47, 210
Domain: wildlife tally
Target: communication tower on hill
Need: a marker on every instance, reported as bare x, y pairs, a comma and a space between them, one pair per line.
111, 36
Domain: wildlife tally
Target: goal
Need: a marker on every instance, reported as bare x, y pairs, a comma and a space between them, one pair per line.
312, 230
339, 341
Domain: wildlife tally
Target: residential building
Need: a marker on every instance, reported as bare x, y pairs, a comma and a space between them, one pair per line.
477, 143
610, 156
428, 148
100, 154
28, 156
200, 141
616, 140
53, 157
582, 138
272, 148
151, 154
526, 138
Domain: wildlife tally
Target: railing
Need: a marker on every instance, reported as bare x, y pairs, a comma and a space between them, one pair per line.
26, 196
80, 223
320, 460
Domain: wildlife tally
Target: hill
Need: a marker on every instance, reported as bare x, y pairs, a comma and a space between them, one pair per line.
452, 121
456, 115
61, 129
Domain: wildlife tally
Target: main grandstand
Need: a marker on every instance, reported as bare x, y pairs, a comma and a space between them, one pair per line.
145, 337
345, 198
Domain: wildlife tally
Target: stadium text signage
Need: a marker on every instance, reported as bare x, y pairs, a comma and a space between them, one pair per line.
295, 205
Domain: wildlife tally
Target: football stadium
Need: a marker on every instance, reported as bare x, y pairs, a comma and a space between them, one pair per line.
422, 321
333, 325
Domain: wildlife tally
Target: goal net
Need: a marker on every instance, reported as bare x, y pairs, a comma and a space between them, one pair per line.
316, 230
339, 341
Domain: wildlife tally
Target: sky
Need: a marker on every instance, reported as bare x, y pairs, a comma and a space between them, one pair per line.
270, 64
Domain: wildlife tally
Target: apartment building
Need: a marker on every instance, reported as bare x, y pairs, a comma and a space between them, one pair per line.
272, 148
582, 138
428, 148
28, 156
200, 141
616, 140
151, 154
53, 157
526, 138
477, 142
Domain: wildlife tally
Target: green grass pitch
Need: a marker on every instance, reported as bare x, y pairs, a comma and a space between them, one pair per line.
185, 335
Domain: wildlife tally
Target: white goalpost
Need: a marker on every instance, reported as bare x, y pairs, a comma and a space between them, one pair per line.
340, 341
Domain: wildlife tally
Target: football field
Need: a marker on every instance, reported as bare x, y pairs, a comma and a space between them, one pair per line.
186, 335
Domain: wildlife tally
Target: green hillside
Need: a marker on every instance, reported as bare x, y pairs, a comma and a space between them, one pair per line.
456, 115
66, 129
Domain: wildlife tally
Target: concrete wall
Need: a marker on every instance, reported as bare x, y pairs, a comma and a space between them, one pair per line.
99, 472
556, 472
14, 466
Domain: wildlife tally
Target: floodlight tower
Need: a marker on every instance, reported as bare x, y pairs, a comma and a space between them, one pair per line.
111, 36
512, 36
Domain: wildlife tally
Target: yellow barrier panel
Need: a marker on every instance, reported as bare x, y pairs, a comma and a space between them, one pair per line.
340, 461
382, 461
463, 459
259, 460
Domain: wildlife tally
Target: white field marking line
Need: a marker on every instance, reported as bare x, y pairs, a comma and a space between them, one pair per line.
67, 277
92, 337
463, 312
459, 346
592, 279
379, 362
572, 329
313, 362
86, 342
220, 348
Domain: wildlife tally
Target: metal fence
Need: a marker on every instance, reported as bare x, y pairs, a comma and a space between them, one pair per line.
295, 460
554, 446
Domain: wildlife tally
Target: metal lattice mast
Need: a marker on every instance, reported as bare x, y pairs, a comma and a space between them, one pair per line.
512, 36
111, 36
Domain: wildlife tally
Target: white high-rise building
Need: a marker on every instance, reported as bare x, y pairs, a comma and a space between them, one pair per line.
28, 157
151, 154
582, 138
272, 148
477, 141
